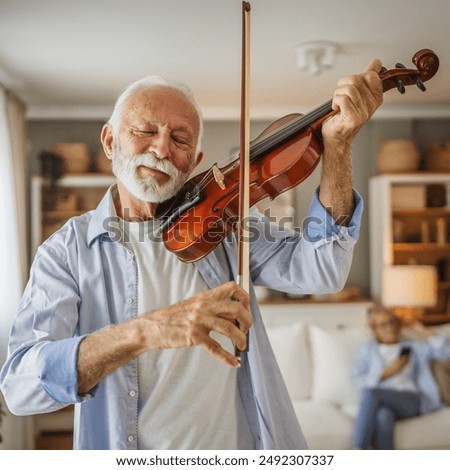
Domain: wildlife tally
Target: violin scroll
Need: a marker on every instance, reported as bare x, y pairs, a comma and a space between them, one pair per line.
427, 63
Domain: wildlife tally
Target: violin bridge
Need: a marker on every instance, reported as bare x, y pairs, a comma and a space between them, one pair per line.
219, 176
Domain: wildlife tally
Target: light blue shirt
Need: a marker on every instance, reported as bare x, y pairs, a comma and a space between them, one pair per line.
368, 365
82, 280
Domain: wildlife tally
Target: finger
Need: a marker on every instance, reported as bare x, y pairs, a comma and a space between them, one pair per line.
229, 290
232, 291
351, 102
228, 329
365, 91
374, 66
238, 293
216, 350
235, 312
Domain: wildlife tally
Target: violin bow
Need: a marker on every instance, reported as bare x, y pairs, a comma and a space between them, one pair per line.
243, 232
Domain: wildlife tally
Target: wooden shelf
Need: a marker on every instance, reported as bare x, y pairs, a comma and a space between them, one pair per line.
435, 318
61, 214
311, 301
426, 212
423, 247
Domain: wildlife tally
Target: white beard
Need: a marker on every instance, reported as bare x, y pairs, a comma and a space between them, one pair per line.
147, 188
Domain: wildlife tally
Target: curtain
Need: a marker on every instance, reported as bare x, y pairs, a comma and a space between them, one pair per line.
13, 240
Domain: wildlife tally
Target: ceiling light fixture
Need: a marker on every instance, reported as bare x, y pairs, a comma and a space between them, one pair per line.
315, 56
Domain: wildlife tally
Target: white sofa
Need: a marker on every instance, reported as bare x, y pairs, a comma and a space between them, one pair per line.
314, 348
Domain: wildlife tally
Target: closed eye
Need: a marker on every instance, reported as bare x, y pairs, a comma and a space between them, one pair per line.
180, 140
143, 131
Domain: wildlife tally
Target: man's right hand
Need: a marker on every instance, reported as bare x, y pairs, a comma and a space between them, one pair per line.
395, 367
224, 309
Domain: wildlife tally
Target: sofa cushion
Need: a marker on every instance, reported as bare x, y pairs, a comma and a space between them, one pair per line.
441, 371
332, 357
323, 425
430, 431
290, 346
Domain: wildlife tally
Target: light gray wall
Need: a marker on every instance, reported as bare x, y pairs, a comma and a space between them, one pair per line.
222, 137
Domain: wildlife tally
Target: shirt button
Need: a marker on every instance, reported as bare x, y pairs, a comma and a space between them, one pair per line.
130, 438
132, 393
129, 301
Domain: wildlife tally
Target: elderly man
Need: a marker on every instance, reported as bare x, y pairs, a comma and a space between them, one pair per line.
142, 343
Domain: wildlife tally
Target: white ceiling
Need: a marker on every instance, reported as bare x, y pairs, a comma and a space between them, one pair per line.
73, 57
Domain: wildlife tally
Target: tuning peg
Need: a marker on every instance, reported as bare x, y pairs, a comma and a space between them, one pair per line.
400, 86
399, 66
420, 85
383, 69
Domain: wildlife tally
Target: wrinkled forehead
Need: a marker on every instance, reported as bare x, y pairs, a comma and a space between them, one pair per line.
161, 103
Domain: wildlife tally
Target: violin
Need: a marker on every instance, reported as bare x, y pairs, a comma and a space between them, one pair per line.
205, 210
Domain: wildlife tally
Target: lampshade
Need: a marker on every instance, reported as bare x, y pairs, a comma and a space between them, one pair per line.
409, 286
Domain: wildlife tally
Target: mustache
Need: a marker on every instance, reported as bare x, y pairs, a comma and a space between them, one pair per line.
151, 161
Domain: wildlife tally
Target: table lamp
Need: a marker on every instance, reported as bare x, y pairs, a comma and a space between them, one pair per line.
411, 287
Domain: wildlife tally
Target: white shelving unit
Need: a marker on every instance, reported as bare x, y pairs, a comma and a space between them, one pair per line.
385, 247
88, 189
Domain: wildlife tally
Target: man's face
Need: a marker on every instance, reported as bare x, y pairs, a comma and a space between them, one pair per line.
153, 152
386, 327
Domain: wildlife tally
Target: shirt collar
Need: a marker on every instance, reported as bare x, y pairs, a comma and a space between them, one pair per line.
104, 217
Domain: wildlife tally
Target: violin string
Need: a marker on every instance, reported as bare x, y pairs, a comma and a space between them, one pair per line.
289, 129
274, 138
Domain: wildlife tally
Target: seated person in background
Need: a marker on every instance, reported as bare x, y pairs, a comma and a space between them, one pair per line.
395, 378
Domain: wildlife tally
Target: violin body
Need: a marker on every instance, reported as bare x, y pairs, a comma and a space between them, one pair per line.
201, 228
206, 210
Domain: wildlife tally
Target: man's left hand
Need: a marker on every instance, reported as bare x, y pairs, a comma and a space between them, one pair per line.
356, 98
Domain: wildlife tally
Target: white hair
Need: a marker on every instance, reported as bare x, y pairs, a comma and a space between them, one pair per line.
151, 82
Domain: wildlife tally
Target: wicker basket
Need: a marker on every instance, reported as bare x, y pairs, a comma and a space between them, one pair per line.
398, 156
75, 155
438, 158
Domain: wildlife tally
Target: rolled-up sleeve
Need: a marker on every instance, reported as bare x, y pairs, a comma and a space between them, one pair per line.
320, 225
314, 260
40, 373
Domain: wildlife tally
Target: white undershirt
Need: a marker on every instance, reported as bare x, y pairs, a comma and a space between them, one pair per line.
187, 398
403, 381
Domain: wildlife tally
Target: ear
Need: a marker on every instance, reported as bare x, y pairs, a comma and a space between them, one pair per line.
107, 138
198, 159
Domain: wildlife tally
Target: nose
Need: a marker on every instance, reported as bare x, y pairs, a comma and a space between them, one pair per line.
160, 145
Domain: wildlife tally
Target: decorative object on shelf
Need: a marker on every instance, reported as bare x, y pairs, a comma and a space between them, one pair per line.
398, 231
52, 169
436, 195
441, 231
438, 158
75, 155
409, 196
424, 231
443, 266
412, 287
102, 162
67, 201
398, 156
